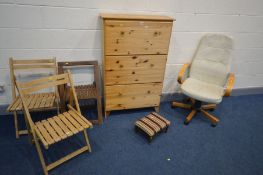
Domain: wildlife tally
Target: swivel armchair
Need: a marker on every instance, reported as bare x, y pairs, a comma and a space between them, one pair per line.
207, 79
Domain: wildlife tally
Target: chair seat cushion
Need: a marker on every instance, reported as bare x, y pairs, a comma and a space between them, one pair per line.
202, 91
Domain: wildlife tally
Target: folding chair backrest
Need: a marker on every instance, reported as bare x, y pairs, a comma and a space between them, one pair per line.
62, 65
16, 65
26, 88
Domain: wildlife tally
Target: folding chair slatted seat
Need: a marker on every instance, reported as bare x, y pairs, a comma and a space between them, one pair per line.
57, 128
87, 91
35, 102
38, 101
61, 127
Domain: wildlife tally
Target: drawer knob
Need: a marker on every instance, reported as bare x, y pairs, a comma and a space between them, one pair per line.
134, 57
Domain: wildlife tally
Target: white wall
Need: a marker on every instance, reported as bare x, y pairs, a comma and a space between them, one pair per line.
71, 30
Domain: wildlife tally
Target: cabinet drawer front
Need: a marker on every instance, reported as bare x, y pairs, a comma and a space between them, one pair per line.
136, 37
132, 96
134, 69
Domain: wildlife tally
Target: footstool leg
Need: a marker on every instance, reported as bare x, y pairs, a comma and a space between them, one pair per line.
150, 139
136, 129
166, 129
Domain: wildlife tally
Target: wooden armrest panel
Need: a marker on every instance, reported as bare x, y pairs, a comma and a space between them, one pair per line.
182, 72
230, 84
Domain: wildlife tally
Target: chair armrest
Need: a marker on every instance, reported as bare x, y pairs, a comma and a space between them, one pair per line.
184, 72
230, 84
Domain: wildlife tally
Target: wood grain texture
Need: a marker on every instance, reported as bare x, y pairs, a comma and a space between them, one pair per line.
133, 96
60, 127
56, 128
18, 66
135, 17
135, 54
36, 102
182, 73
85, 91
230, 84
134, 69
137, 37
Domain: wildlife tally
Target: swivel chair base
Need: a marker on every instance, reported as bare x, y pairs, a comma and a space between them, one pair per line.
196, 106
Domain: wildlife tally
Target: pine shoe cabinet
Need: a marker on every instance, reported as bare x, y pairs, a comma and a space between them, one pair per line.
135, 54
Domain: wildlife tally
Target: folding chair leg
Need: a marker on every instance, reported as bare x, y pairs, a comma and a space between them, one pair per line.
17, 131
16, 125
41, 157
30, 136
99, 110
87, 140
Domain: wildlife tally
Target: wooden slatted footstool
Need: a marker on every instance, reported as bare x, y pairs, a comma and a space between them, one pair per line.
151, 125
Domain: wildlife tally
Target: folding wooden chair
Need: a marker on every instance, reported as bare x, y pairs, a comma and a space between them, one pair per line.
57, 128
39, 101
88, 91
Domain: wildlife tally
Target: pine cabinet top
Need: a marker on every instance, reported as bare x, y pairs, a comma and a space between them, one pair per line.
135, 17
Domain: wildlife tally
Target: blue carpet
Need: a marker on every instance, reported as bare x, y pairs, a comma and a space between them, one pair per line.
235, 146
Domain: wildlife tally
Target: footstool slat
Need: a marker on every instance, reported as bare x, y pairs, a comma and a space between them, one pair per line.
161, 118
145, 128
161, 124
152, 124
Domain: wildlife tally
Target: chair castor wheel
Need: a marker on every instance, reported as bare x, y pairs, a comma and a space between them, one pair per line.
172, 106
186, 122
214, 125
186, 100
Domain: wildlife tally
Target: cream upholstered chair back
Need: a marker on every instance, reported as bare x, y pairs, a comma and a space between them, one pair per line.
211, 62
